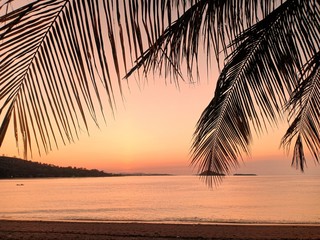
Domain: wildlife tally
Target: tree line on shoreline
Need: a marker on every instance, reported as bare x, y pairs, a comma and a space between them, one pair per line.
11, 167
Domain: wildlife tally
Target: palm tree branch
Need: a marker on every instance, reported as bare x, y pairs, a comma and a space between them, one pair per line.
223, 130
46, 46
213, 22
305, 127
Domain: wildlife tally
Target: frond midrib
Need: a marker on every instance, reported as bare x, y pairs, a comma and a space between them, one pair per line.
36, 51
306, 108
227, 100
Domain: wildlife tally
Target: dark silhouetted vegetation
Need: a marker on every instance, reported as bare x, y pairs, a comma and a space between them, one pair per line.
18, 168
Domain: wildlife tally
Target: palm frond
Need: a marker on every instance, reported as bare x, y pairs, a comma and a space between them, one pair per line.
304, 105
52, 62
254, 85
206, 25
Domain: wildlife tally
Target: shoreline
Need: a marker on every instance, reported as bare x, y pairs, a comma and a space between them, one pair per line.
169, 222
17, 229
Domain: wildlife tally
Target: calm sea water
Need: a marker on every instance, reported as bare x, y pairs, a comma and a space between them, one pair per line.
183, 199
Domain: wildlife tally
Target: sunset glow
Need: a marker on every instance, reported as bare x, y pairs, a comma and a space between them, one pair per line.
152, 132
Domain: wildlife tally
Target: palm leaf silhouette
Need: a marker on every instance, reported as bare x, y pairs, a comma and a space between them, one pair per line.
254, 85
208, 25
304, 104
49, 69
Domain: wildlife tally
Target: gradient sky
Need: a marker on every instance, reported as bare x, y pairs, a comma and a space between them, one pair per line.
152, 132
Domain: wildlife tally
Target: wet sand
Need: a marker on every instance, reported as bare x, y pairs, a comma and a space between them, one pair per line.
37, 230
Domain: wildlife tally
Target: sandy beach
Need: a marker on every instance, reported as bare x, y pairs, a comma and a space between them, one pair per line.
37, 230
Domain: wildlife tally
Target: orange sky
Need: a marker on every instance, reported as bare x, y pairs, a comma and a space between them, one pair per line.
152, 132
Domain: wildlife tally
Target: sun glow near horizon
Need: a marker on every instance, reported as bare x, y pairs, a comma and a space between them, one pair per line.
153, 125
152, 132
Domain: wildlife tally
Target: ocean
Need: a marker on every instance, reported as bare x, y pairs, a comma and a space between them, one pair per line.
164, 199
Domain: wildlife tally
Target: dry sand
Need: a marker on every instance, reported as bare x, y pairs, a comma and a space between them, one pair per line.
37, 230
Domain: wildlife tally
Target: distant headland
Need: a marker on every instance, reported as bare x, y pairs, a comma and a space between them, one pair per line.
18, 168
